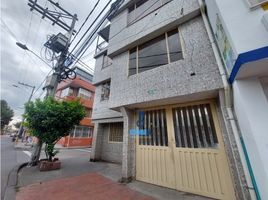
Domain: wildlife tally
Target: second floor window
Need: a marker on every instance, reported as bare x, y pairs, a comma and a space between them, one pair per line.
88, 113
105, 91
154, 53
67, 92
107, 61
85, 94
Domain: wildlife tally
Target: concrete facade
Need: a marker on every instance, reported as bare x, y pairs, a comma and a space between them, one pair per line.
195, 77
103, 149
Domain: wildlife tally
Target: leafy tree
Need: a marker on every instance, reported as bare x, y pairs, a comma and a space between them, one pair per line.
6, 114
17, 125
49, 120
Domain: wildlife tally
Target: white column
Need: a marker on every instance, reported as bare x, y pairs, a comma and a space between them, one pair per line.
251, 108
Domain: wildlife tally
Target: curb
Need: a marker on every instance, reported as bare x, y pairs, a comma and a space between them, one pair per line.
10, 190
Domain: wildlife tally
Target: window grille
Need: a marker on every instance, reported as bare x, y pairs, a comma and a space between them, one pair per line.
194, 127
116, 132
155, 124
105, 91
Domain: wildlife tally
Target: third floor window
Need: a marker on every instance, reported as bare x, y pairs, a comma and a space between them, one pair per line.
142, 8
156, 52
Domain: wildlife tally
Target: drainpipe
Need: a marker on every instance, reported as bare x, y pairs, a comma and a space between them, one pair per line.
228, 106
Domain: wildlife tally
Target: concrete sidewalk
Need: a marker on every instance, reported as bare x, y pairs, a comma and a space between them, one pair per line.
80, 179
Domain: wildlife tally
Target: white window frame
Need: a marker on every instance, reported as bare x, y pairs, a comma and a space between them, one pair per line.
84, 92
67, 93
90, 132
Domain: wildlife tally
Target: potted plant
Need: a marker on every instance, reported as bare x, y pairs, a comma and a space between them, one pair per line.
50, 120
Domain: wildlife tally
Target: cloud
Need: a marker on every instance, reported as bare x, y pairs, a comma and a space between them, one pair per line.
19, 24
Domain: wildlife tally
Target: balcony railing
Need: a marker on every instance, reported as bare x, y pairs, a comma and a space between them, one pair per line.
101, 47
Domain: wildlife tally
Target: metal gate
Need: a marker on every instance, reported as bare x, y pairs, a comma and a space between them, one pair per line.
184, 150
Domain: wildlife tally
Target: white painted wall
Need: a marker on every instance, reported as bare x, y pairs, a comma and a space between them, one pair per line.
243, 26
251, 107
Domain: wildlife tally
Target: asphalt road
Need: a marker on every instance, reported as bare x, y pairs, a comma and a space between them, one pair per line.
10, 157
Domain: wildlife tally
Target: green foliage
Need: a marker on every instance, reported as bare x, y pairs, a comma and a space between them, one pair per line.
49, 120
17, 125
6, 114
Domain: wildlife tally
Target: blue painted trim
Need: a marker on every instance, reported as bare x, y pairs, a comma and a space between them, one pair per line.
246, 57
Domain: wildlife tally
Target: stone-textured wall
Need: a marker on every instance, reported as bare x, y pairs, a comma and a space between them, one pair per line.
129, 146
171, 80
110, 151
101, 108
101, 74
123, 37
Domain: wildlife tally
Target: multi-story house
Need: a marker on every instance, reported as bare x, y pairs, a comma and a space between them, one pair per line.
159, 101
70, 90
241, 33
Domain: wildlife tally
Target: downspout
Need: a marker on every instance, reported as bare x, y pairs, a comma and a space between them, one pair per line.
228, 106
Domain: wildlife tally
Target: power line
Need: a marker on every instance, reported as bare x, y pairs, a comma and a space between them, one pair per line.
8, 30
85, 21
105, 7
42, 82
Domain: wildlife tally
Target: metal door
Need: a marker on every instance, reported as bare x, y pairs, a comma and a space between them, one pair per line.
184, 150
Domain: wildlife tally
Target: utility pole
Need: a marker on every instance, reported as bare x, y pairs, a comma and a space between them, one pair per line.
55, 17
60, 63
30, 97
58, 44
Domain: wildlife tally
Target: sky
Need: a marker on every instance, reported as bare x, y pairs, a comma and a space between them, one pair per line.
19, 24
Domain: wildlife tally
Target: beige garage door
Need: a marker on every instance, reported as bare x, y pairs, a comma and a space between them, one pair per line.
184, 150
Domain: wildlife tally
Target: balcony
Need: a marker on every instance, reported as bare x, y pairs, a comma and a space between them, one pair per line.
103, 40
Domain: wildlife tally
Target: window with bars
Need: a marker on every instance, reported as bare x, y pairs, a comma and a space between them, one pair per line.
116, 132
157, 52
105, 91
142, 8
194, 127
155, 124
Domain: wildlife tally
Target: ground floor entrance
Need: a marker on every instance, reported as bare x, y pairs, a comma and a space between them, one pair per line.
183, 149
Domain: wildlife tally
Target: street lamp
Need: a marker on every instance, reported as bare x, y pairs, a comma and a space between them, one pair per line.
31, 95
24, 47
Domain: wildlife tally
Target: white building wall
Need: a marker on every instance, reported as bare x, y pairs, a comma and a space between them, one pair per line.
251, 107
243, 25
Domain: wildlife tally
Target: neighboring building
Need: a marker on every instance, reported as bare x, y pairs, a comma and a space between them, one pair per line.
158, 108
241, 31
69, 90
